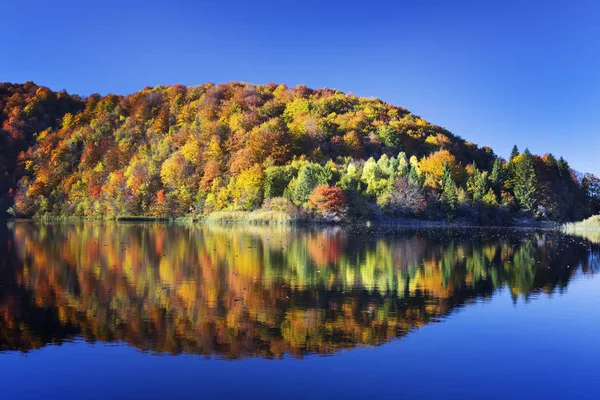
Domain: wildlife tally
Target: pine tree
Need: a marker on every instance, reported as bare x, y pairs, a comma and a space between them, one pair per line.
551, 161
481, 186
563, 168
446, 175
497, 177
450, 199
403, 165
326, 176
526, 182
477, 184
413, 176
310, 176
514, 152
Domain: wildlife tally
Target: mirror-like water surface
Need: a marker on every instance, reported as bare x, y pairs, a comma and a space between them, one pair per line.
86, 308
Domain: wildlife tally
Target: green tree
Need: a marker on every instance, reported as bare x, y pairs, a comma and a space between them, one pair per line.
389, 138
551, 161
497, 176
514, 153
413, 176
310, 176
277, 178
450, 198
526, 182
446, 175
403, 165
477, 184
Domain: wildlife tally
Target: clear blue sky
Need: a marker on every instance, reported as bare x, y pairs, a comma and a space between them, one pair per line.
494, 72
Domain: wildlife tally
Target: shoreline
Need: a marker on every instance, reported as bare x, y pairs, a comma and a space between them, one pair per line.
248, 218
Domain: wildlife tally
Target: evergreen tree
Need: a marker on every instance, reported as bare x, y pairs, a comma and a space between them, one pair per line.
403, 165
514, 152
327, 175
526, 182
551, 161
563, 168
481, 186
477, 184
310, 176
446, 175
496, 176
413, 176
450, 198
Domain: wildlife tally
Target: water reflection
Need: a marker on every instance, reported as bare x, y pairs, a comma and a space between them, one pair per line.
259, 291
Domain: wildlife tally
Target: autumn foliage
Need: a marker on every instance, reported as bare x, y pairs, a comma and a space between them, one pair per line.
328, 202
176, 151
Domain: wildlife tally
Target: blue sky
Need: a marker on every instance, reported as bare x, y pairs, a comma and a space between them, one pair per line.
494, 72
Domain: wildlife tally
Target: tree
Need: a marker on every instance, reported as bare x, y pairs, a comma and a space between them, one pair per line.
490, 198
446, 176
329, 202
350, 178
403, 165
160, 207
497, 177
270, 140
407, 198
551, 161
310, 176
450, 198
389, 138
277, 178
372, 176
413, 176
514, 153
591, 183
246, 189
526, 182
174, 170
433, 167
477, 183
563, 168
352, 144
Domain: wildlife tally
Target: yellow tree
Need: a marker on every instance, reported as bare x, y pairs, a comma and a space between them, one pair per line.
246, 189
433, 166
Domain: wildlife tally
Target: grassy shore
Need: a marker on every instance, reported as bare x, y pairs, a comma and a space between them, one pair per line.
588, 229
258, 217
590, 224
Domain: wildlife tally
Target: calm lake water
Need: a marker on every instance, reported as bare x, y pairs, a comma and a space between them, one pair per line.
144, 311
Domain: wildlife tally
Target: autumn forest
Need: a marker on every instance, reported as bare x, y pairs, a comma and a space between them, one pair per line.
176, 151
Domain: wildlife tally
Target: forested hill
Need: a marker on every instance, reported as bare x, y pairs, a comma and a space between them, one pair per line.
176, 150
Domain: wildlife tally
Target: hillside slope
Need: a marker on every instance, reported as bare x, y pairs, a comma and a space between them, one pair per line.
175, 150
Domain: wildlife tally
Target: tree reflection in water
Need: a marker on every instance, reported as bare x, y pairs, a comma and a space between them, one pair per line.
235, 292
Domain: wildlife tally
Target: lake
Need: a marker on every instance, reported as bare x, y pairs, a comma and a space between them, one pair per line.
94, 310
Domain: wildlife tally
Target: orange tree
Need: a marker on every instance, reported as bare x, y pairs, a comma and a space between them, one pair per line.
328, 202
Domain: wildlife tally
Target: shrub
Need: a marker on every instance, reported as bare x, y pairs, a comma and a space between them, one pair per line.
407, 198
279, 204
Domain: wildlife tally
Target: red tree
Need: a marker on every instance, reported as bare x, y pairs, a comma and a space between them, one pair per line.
328, 202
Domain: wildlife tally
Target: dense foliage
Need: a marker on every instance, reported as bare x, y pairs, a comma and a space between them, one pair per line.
177, 151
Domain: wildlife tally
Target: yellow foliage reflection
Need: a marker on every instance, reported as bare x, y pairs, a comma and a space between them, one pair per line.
258, 291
